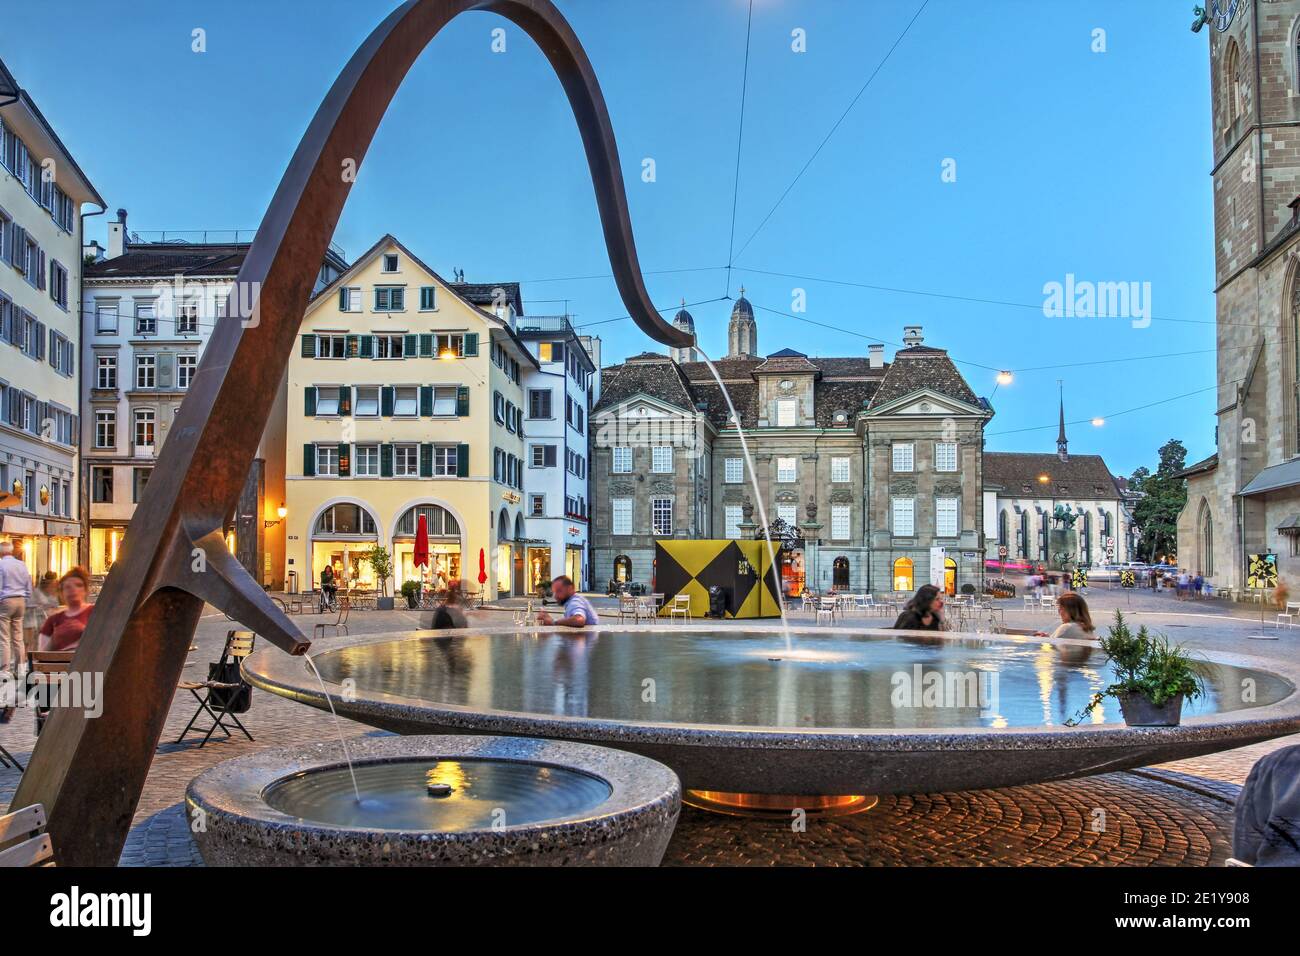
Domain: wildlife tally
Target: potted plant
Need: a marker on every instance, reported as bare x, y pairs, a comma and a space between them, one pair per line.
1154, 676
381, 562
411, 591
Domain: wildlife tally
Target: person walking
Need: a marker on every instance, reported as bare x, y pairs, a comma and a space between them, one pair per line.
45, 598
924, 612
15, 590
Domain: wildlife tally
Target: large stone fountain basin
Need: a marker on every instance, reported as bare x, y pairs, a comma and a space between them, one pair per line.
738, 711
281, 807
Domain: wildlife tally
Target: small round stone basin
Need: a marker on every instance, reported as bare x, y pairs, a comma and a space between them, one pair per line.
436, 800
837, 711
450, 795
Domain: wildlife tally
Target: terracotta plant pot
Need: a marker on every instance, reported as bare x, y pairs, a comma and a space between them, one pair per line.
1138, 711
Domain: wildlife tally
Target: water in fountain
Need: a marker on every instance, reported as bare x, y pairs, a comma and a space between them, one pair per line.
758, 495
356, 791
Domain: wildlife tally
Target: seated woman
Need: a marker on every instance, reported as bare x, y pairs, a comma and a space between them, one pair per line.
449, 613
62, 629
924, 612
1076, 622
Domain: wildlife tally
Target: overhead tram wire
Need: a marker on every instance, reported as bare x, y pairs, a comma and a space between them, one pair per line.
740, 139
827, 138
624, 318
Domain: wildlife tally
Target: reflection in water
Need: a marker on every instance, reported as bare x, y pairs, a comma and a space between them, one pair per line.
732, 678
395, 795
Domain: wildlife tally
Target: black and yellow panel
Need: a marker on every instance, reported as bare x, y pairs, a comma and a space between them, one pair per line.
692, 567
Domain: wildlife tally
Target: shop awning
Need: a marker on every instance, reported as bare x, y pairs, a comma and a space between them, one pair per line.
15, 524
1274, 478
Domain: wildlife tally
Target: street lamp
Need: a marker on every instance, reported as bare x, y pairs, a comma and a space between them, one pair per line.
1005, 377
282, 512
1098, 421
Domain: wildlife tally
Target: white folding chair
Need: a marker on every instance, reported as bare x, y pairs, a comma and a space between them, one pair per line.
681, 607
826, 609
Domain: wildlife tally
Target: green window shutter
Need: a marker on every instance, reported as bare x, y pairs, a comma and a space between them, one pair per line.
386, 400
462, 401
345, 400
343, 299
367, 346
426, 400
353, 345
309, 400
426, 345
309, 461
426, 461
385, 461
410, 345
345, 461
309, 346
471, 343
462, 461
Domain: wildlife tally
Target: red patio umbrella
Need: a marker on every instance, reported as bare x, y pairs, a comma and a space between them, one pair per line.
421, 557
482, 575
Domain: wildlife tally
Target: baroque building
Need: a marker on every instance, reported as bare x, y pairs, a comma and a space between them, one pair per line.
1245, 498
870, 469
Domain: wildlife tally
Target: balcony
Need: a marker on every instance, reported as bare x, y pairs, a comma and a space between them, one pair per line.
546, 324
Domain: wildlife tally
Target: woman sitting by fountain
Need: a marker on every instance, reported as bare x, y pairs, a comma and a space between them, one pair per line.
1076, 622
449, 613
924, 612
62, 630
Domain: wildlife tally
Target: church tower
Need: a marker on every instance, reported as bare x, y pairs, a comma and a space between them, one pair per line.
742, 331
684, 321
1062, 446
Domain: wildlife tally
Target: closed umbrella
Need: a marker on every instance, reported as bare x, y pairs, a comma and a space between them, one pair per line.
482, 574
421, 556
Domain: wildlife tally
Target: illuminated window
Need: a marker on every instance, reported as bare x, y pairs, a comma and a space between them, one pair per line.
903, 574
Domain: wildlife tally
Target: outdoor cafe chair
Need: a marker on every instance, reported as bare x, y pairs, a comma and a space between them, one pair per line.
43, 665
1292, 609
627, 607
643, 608
681, 607
23, 839
340, 622
826, 609
229, 696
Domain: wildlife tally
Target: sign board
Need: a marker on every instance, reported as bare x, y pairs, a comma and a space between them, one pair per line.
1079, 579
936, 567
1128, 578
1261, 571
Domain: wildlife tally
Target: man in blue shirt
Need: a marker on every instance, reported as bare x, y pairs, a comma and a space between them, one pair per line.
578, 611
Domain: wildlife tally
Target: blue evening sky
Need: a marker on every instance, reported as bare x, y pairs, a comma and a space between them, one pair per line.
1068, 161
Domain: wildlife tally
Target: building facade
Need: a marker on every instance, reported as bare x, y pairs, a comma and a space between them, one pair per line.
42, 191
148, 311
1023, 491
1245, 499
406, 398
558, 396
870, 471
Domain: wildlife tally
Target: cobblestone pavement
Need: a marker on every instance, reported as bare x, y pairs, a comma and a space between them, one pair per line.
1175, 814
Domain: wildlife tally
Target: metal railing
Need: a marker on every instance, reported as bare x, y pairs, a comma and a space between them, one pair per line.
544, 323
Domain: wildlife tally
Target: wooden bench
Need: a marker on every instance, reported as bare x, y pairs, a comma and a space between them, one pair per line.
23, 840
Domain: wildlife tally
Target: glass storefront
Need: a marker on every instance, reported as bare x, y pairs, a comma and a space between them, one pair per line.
573, 564
345, 557
26, 548
63, 555
505, 567
105, 545
539, 569
444, 562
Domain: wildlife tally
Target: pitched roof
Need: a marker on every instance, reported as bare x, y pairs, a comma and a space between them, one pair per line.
171, 259
922, 367
1204, 465
648, 374
485, 293
1080, 476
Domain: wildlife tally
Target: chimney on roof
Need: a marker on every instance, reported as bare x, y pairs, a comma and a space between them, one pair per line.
876, 356
1294, 206
117, 235
912, 335
93, 250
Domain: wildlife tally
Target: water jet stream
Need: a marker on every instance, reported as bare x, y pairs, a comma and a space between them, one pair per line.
758, 498
338, 724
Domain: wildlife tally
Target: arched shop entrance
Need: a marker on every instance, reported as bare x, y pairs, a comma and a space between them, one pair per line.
949, 576
904, 574
446, 546
622, 569
340, 535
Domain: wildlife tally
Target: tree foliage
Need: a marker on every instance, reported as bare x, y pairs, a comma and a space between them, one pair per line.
1163, 497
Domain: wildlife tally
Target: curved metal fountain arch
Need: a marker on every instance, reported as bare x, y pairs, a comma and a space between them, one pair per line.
90, 771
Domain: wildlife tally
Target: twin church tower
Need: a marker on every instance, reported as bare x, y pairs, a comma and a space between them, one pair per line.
742, 332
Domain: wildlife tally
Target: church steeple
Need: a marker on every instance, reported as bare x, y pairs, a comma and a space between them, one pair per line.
1062, 446
742, 331
684, 321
